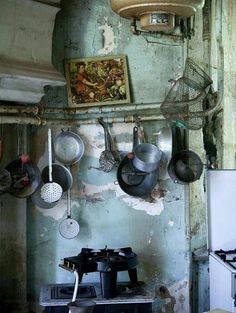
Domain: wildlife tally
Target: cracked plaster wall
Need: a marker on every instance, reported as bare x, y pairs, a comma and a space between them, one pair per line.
107, 215
159, 230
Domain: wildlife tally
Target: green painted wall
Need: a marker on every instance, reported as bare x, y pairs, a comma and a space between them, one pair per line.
154, 228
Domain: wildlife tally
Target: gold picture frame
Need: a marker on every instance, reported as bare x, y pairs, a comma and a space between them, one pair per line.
97, 81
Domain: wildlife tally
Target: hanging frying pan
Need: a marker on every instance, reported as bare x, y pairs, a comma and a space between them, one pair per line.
68, 147
135, 183
185, 166
132, 181
25, 175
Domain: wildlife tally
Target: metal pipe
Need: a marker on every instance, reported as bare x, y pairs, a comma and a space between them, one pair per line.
100, 109
126, 119
36, 120
5, 108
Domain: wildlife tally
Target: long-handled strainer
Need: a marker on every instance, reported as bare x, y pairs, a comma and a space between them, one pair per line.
106, 160
69, 228
51, 191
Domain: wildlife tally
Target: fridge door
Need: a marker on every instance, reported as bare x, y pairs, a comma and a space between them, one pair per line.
221, 209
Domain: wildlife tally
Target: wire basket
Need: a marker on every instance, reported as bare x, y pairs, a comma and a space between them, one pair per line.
185, 105
195, 77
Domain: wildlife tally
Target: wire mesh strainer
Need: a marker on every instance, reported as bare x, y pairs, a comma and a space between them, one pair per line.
186, 106
195, 77
51, 191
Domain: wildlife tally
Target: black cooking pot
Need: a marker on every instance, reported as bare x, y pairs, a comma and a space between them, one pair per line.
133, 182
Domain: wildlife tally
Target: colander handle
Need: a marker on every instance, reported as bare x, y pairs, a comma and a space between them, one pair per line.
50, 154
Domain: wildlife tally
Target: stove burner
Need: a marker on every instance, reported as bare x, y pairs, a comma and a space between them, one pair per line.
228, 256
106, 261
66, 292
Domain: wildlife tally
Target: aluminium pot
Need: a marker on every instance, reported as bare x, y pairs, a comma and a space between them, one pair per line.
146, 157
68, 147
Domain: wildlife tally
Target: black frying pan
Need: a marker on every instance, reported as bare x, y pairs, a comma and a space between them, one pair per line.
185, 165
26, 178
135, 183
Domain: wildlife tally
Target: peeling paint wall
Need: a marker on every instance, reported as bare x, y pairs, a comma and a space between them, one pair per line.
161, 229
107, 215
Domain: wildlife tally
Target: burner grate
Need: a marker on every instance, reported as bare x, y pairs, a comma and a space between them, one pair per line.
227, 256
66, 292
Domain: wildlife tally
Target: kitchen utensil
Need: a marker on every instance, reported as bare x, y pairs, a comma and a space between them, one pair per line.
5, 181
25, 178
132, 181
185, 165
25, 175
195, 76
164, 143
136, 183
60, 175
146, 157
68, 147
106, 160
69, 228
185, 102
51, 191
38, 200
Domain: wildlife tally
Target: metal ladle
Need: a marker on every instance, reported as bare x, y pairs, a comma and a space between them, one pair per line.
69, 228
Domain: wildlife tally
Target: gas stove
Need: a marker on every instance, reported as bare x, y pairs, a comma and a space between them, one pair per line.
105, 261
227, 256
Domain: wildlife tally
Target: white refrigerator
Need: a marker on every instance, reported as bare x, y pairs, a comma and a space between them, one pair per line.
221, 215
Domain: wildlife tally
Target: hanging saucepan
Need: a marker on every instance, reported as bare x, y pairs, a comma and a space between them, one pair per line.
68, 147
132, 181
60, 175
185, 165
146, 156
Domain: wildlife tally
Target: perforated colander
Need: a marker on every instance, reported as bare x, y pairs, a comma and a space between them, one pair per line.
51, 191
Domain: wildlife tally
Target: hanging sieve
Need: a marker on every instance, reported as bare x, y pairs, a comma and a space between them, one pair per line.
106, 160
51, 191
69, 228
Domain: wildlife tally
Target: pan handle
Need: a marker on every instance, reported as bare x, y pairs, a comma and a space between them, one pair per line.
69, 203
137, 137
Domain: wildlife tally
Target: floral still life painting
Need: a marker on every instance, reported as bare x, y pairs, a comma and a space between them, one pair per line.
97, 81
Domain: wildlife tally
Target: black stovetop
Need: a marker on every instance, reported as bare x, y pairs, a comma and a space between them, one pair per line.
227, 256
